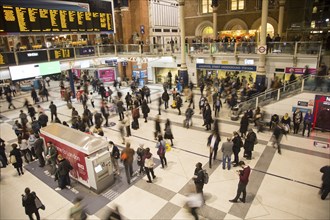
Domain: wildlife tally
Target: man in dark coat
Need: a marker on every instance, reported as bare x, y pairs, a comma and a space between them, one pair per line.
199, 178
207, 116
213, 142
53, 110
165, 98
250, 141
28, 202
237, 147
244, 125
325, 189
43, 119
62, 173
39, 148
120, 108
178, 103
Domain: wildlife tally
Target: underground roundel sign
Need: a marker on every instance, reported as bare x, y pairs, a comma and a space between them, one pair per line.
262, 49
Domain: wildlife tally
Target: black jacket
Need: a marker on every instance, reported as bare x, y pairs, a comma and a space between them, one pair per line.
29, 203
39, 146
64, 167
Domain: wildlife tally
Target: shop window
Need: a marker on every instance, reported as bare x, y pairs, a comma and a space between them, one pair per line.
237, 5
206, 6
315, 10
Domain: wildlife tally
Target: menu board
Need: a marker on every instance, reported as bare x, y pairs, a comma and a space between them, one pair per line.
64, 18
22, 19
89, 21
7, 59
73, 21
96, 21
55, 22
81, 21
34, 19
63, 53
44, 20
10, 20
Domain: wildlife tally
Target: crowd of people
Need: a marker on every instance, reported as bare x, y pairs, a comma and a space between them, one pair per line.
30, 144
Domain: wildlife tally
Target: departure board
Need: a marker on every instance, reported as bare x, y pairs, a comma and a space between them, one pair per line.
2, 21
64, 53
109, 22
89, 21
7, 59
96, 21
55, 22
64, 18
103, 22
9, 16
22, 19
44, 20
32, 56
81, 21
73, 21
34, 19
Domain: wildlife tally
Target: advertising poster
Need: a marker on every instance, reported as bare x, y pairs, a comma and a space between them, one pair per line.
107, 75
76, 158
76, 72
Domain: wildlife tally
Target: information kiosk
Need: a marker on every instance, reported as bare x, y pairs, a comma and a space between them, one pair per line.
87, 154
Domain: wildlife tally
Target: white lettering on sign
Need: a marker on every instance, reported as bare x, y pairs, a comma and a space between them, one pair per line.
32, 54
328, 99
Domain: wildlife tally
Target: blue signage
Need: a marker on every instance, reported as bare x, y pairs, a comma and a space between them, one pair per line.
226, 67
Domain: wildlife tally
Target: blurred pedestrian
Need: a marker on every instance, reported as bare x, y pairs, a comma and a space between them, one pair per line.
213, 142
62, 173
16, 159
161, 151
28, 202
127, 157
77, 211
325, 188
149, 165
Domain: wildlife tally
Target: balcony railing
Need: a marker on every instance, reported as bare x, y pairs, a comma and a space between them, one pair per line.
195, 49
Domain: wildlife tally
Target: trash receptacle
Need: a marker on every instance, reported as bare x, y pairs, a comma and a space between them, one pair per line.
234, 113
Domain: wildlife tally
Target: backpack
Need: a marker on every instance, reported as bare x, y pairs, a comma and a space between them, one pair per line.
205, 176
161, 150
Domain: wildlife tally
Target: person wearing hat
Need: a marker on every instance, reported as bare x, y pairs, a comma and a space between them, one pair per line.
62, 173
149, 164
114, 153
243, 181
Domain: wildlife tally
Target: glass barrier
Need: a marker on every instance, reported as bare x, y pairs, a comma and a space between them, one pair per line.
317, 83
290, 89
249, 104
267, 97
223, 48
281, 48
200, 48
107, 49
308, 47
246, 47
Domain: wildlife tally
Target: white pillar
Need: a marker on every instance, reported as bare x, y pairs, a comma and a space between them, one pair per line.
182, 34
263, 32
215, 23
280, 17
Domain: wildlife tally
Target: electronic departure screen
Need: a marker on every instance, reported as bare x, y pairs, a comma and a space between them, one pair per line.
64, 18
55, 22
89, 21
81, 21
2, 21
96, 21
34, 19
73, 20
23, 19
20, 19
63, 53
44, 20
10, 20
7, 59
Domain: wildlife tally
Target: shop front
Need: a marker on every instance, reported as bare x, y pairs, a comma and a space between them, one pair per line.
321, 113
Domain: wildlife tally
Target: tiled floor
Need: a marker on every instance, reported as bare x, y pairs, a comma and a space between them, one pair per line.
281, 186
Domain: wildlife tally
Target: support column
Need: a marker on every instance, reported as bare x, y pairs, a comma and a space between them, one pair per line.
215, 5
280, 17
183, 71
261, 71
126, 22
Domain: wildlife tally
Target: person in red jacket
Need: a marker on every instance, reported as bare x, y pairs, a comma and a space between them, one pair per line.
243, 181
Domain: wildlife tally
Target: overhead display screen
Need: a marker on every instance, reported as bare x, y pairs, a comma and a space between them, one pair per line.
44, 20
24, 71
49, 68
9, 15
34, 19
63, 53
22, 19
32, 56
7, 59
55, 22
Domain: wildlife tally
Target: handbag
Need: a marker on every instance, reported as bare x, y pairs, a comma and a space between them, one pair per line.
39, 204
13, 159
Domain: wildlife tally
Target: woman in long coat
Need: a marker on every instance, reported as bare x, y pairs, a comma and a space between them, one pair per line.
207, 115
244, 125
19, 162
145, 110
168, 131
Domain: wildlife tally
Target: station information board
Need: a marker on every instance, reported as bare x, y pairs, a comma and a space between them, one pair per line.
63, 53
20, 19
7, 59
32, 56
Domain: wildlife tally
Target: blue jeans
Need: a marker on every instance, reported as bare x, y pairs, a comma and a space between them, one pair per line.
226, 158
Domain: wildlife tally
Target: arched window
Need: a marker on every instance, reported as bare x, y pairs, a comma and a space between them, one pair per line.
207, 32
270, 29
